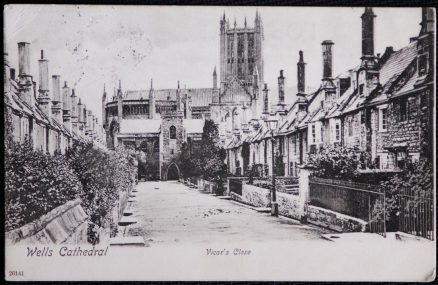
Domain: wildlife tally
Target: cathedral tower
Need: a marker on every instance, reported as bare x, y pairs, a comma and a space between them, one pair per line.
241, 51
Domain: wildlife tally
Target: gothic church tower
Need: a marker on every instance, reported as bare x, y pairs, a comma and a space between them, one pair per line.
241, 51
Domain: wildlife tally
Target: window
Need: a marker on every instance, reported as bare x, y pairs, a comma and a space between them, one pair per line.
313, 134
350, 128
361, 89
403, 109
383, 120
172, 132
337, 132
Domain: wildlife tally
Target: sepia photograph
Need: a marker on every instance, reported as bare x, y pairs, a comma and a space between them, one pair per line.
219, 143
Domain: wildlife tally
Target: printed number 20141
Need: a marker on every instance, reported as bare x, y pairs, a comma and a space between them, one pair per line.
16, 273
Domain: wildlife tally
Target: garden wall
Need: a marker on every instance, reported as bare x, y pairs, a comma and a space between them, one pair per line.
252, 195
207, 186
334, 220
64, 224
290, 206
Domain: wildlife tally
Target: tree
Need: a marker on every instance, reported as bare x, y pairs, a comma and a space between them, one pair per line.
206, 158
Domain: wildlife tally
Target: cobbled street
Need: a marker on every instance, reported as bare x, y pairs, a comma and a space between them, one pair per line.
170, 213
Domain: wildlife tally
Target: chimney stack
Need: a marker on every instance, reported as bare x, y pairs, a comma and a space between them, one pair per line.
57, 99
66, 102
427, 21
281, 88
25, 81
44, 73
44, 99
301, 75
368, 33
23, 58
327, 59
66, 106
74, 111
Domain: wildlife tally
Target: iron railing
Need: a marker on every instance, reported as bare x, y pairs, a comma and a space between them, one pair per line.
416, 213
358, 200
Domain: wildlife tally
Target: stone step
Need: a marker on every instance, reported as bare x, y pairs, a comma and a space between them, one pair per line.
224, 197
131, 200
127, 241
263, 210
125, 221
128, 213
132, 195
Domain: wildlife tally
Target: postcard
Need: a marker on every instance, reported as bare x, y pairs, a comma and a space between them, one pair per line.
189, 143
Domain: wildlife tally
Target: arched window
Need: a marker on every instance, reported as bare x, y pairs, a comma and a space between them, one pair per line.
172, 132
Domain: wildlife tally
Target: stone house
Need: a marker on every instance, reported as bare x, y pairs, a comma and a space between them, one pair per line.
50, 118
383, 106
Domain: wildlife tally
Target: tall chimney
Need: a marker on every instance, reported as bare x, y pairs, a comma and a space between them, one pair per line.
301, 74
66, 102
66, 106
44, 73
327, 59
23, 58
44, 99
57, 99
25, 81
427, 20
281, 88
368, 33
56, 84
74, 111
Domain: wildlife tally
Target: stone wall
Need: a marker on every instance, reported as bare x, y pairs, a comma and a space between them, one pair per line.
66, 224
207, 186
256, 196
289, 206
333, 220
252, 195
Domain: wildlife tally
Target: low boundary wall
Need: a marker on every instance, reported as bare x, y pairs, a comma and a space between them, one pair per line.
64, 224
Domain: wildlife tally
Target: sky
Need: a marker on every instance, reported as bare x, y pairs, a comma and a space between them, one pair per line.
90, 46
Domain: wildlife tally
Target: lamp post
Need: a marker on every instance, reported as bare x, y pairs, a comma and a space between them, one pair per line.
272, 125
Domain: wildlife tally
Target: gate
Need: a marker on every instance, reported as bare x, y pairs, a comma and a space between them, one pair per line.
416, 214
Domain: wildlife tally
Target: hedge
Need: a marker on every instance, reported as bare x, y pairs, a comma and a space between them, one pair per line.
37, 182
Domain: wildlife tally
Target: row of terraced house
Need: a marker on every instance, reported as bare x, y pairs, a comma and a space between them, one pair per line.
383, 106
51, 117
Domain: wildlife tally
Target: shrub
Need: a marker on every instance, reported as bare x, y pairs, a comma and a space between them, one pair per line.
337, 163
103, 175
418, 178
35, 184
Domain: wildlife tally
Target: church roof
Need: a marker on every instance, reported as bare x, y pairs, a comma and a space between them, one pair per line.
131, 126
193, 126
199, 96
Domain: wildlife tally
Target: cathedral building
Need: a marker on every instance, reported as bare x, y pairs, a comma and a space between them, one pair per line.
157, 122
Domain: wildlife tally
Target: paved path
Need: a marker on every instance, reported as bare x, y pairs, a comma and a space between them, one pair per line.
170, 213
